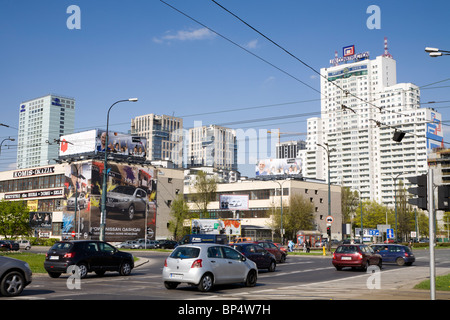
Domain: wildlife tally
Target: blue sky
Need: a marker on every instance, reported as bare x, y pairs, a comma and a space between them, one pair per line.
145, 49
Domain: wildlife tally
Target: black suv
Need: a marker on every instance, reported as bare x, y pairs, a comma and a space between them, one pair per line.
88, 256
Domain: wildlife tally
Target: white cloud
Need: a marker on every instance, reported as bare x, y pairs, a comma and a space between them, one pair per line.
186, 35
251, 44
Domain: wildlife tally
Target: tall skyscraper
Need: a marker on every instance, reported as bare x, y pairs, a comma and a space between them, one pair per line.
362, 107
42, 121
212, 146
164, 136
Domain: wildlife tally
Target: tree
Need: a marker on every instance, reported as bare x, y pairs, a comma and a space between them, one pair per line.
298, 215
205, 192
14, 218
373, 214
349, 204
180, 212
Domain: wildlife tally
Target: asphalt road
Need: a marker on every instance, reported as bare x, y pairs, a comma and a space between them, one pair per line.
300, 278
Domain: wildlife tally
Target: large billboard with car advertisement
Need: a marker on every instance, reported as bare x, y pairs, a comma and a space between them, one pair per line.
130, 202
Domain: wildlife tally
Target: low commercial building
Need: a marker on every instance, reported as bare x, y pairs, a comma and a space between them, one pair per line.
265, 195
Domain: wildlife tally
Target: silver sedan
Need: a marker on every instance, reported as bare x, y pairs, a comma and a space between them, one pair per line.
205, 265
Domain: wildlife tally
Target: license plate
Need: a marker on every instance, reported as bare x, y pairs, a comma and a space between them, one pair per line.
346, 258
176, 276
54, 257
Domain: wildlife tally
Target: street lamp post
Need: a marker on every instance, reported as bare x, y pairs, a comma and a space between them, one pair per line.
281, 217
435, 52
395, 199
10, 139
327, 149
105, 173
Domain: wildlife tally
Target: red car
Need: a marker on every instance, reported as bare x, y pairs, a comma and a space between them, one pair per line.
280, 255
282, 248
355, 256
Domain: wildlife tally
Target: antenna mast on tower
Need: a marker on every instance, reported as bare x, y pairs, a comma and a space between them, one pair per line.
386, 52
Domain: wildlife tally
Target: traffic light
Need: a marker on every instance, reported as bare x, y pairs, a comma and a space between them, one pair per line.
443, 202
398, 136
420, 191
329, 231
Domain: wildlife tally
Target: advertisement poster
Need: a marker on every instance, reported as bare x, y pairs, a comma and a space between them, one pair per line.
275, 167
91, 142
233, 202
130, 203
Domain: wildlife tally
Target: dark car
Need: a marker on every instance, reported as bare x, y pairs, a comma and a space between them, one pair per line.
280, 255
401, 255
88, 256
355, 256
5, 246
15, 275
263, 258
14, 245
166, 244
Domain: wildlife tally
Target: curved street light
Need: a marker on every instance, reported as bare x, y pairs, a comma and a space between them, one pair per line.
435, 52
105, 174
10, 139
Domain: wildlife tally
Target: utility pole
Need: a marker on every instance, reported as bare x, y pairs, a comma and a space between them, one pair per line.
432, 235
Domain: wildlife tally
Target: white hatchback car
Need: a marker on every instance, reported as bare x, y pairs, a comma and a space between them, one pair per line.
208, 264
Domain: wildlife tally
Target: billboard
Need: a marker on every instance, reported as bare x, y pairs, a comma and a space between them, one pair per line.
130, 202
207, 226
233, 202
94, 141
277, 167
216, 226
434, 134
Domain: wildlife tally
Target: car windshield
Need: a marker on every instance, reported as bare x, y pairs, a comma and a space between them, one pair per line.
124, 189
185, 253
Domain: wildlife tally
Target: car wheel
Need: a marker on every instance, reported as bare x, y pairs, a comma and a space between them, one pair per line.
205, 283
125, 268
380, 264
131, 212
272, 266
400, 261
338, 268
12, 284
82, 270
365, 266
171, 285
252, 277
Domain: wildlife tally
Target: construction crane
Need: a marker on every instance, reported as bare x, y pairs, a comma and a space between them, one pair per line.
280, 133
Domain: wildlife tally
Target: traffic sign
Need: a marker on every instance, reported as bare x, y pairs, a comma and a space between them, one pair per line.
329, 219
73, 234
390, 233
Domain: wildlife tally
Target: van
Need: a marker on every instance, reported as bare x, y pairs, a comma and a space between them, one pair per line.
204, 238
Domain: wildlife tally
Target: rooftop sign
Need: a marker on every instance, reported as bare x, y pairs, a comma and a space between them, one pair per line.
349, 54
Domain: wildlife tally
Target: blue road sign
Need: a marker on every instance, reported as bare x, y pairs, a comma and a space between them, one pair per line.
390, 233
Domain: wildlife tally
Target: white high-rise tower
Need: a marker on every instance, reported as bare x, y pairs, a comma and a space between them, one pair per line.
361, 108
